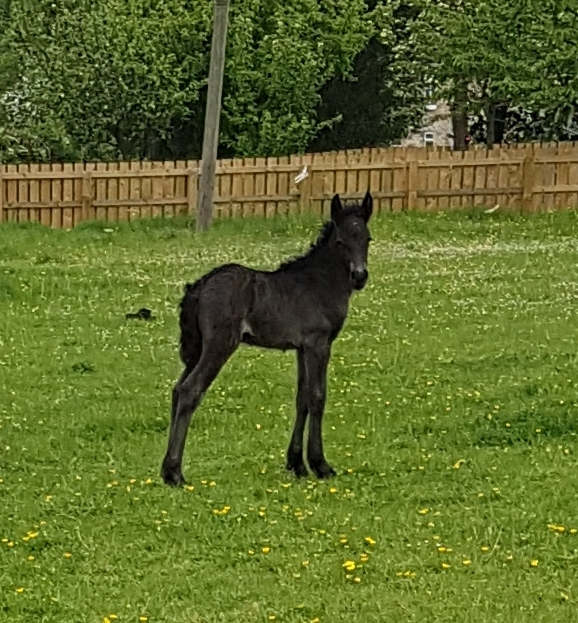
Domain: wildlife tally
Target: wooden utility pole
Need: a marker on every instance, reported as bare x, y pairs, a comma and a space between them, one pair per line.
212, 115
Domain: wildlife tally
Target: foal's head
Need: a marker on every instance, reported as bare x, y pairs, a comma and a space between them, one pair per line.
352, 236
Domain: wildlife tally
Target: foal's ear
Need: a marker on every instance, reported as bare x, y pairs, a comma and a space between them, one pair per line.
336, 209
366, 207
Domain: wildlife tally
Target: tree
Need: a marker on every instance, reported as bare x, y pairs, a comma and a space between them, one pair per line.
126, 78
280, 55
379, 102
100, 80
483, 55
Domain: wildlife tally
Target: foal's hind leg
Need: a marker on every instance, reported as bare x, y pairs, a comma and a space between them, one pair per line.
189, 394
175, 395
295, 452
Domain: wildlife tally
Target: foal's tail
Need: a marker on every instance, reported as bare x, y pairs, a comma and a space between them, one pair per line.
191, 337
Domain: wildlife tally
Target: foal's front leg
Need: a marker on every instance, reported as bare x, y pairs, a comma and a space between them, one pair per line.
316, 361
295, 452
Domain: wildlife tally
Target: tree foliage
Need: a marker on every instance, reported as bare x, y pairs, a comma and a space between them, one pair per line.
123, 78
520, 52
381, 100
99, 80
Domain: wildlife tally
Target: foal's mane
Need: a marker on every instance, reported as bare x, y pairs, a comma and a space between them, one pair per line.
322, 240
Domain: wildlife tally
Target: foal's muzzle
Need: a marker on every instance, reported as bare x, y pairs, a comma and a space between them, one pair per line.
359, 278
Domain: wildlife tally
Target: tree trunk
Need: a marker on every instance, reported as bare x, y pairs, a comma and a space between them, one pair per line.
460, 120
490, 124
495, 122
500, 114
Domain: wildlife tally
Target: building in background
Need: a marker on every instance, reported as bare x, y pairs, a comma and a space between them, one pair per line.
436, 128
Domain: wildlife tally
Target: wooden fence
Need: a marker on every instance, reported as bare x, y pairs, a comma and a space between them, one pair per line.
521, 177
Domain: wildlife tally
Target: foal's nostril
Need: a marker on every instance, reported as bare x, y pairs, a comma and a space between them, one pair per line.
359, 278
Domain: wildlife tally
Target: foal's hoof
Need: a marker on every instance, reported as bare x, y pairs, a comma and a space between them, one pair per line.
298, 469
323, 470
172, 477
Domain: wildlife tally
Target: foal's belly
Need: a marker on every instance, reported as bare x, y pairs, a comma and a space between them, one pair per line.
267, 335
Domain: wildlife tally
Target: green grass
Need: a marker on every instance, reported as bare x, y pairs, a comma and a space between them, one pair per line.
452, 420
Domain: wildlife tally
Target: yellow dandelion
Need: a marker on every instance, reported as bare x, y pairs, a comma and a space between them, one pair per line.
349, 565
459, 463
105, 620
189, 487
573, 530
343, 540
10, 543
370, 541
357, 580
485, 548
31, 557
265, 550
305, 563
112, 617
466, 562
148, 481
20, 590
315, 620
445, 565
442, 549
364, 557
143, 618
67, 555
333, 490
534, 562
423, 511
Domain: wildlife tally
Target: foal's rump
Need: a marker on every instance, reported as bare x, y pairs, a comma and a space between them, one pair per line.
213, 307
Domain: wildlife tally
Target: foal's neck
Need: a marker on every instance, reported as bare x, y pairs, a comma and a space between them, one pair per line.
328, 261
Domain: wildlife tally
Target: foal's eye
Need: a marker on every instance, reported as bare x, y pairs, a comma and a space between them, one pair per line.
369, 239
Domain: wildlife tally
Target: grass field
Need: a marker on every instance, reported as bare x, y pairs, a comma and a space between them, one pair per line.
452, 418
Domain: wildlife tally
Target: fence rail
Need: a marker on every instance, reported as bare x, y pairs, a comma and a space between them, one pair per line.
526, 177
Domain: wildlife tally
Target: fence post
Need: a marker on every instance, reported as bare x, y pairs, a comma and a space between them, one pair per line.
305, 193
86, 195
528, 181
192, 191
411, 179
